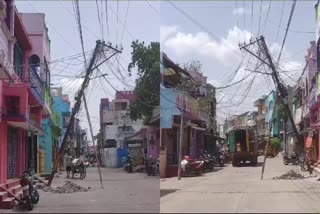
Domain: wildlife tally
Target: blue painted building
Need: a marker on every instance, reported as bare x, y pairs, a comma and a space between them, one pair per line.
270, 102
61, 105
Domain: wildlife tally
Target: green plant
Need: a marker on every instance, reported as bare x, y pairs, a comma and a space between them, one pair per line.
276, 142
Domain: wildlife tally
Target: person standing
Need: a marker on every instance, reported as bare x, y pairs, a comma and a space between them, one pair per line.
68, 164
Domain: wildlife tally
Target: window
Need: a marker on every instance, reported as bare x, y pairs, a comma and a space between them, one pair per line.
18, 55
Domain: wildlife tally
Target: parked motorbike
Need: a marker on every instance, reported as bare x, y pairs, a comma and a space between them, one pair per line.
221, 159
189, 166
151, 166
30, 195
128, 165
293, 159
209, 162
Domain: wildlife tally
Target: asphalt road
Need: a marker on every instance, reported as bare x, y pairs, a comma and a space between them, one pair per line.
123, 192
232, 190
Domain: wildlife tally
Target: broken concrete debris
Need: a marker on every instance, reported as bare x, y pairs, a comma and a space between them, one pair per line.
68, 187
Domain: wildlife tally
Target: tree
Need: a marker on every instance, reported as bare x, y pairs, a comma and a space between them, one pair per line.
193, 65
146, 58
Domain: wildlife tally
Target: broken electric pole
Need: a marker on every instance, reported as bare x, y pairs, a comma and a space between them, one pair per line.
100, 45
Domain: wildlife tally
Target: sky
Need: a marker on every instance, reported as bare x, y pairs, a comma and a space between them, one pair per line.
137, 20
226, 25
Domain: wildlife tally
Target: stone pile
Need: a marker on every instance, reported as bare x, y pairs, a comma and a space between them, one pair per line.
291, 175
68, 187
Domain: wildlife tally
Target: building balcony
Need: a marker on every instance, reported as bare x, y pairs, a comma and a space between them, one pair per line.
36, 84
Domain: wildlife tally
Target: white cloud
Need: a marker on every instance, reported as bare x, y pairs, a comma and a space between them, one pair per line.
223, 54
166, 31
240, 11
224, 50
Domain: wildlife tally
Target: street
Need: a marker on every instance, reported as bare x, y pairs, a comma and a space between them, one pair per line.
231, 190
122, 192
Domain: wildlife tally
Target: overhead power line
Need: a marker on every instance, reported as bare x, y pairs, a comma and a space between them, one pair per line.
235, 51
287, 28
152, 7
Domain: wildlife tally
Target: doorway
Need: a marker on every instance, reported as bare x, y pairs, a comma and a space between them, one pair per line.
12, 153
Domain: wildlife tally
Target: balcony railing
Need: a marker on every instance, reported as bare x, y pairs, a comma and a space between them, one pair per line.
35, 81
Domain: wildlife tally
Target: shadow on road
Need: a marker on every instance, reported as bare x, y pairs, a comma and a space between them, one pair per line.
165, 192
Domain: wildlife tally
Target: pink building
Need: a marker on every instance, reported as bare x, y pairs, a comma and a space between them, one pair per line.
21, 97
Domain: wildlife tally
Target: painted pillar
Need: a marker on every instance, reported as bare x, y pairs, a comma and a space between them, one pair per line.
24, 110
163, 156
3, 152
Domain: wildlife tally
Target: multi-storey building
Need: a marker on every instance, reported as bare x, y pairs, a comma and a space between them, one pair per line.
171, 103
23, 83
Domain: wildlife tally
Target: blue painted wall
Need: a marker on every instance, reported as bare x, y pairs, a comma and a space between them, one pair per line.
270, 102
168, 106
60, 107
45, 141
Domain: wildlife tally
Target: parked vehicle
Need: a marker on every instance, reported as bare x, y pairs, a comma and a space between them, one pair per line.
243, 146
151, 166
128, 165
32, 187
30, 195
208, 162
189, 166
220, 158
293, 159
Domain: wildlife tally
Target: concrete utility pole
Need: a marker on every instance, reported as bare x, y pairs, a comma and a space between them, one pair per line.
283, 93
269, 137
98, 49
181, 135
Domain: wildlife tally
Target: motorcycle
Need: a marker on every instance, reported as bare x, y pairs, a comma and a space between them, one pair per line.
30, 195
128, 165
294, 159
221, 159
209, 162
189, 166
151, 166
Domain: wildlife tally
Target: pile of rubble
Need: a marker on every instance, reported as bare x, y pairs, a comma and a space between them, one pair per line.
291, 175
68, 187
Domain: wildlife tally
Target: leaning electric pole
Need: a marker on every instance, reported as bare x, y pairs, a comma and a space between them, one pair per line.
262, 48
99, 48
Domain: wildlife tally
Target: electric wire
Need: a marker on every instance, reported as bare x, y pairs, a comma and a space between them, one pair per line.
125, 21
107, 19
259, 18
265, 22
154, 9
287, 28
235, 51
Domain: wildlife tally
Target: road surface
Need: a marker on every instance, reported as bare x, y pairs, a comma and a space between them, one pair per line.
123, 192
232, 190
